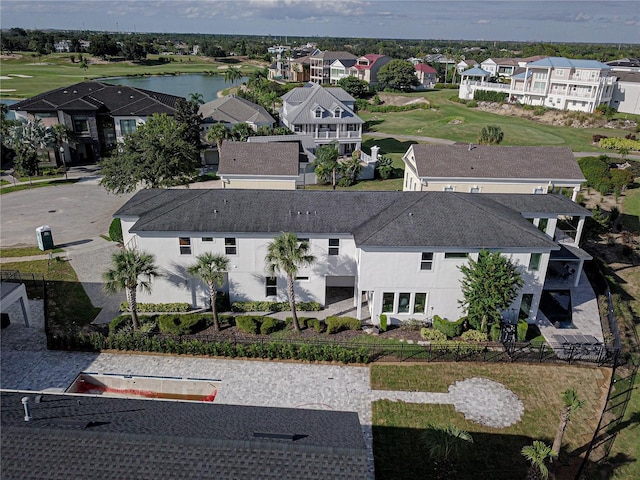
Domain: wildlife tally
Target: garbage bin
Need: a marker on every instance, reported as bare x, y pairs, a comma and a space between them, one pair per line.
45, 238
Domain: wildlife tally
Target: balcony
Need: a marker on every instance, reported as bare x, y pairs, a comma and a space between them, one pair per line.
327, 134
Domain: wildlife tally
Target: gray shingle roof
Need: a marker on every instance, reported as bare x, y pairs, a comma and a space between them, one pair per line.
232, 109
99, 96
303, 100
242, 158
334, 55
72, 437
386, 219
484, 161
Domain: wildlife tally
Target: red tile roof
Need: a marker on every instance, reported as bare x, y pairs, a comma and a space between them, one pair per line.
423, 67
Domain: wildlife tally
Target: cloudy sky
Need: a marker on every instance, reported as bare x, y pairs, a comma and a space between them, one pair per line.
557, 21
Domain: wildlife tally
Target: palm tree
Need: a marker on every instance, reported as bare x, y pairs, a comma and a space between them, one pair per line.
62, 135
232, 74
217, 133
491, 135
196, 98
538, 454
287, 254
350, 169
241, 131
210, 268
571, 404
444, 445
26, 139
130, 270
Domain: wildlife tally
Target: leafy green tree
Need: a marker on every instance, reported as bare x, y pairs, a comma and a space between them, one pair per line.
489, 286
399, 75
538, 454
444, 446
103, 46
241, 131
354, 86
491, 135
217, 133
232, 74
287, 254
571, 404
210, 268
132, 50
155, 155
83, 64
326, 164
130, 270
385, 167
27, 138
189, 117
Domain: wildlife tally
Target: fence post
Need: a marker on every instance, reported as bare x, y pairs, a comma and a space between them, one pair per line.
541, 350
402, 352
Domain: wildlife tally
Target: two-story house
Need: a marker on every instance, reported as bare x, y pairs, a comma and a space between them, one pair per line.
491, 169
368, 66
320, 64
325, 113
427, 75
340, 69
100, 114
400, 252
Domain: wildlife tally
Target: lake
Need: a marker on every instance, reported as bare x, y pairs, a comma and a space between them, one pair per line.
180, 85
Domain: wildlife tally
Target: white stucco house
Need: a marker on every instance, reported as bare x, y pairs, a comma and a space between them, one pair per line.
626, 92
491, 169
398, 252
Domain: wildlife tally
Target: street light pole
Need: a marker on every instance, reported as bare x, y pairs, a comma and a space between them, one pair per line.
64, 163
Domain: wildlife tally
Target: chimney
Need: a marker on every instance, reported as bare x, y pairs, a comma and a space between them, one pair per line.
25, 403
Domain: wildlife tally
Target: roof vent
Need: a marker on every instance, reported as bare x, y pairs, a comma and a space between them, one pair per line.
65, 92
224, 201
411, 214
308, 212
298, 212
75, 91
25, 404
215, 211
470, 147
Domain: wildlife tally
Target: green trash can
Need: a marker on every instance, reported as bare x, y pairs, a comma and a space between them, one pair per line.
45, 237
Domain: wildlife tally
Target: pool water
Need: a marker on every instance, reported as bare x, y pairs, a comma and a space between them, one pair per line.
556, 306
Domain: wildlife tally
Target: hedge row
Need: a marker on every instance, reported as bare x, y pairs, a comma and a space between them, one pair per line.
338, 324
616, 143
274, 306
157, 307
272, 350
258, 324
395, 108
450, 329
488, 96
308, 322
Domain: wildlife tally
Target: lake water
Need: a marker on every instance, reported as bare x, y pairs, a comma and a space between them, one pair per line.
181, 85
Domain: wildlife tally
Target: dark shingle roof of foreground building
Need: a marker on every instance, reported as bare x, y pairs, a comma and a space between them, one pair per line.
243, 158
78, 437
387, 219
493, 161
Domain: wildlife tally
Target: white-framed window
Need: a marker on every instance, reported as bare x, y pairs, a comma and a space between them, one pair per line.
337, 113
302, 278
474, 189
128, 126
318, 112
456, 255
404, 302
426, 261
185, 245
420, 303
207, 239
559, 72
388, 299
334, 246
538, 190
230, 246
271, 286
534, 261
449, 188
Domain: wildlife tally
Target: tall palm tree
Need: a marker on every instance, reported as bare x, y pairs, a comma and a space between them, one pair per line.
216, 134
196, 97
130, 270
444, 445
27, 138
538, 454
287, 254
62, 135
241, 131
571, 404
232, 74
210, 268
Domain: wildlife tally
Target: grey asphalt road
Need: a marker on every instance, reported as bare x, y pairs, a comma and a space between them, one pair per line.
76, 213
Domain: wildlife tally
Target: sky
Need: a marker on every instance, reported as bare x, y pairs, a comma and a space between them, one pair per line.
604, 21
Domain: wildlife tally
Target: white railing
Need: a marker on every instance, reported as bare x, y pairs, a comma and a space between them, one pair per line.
334, 134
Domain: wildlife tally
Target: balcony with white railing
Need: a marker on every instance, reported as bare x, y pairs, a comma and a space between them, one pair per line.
487, 85
331, 134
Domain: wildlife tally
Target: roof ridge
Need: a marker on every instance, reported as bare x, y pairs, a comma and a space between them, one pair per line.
174, 205
384, 210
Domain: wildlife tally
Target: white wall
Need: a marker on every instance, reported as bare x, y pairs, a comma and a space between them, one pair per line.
626, 97
116, 121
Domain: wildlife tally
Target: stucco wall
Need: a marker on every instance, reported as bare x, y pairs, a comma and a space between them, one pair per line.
258, 183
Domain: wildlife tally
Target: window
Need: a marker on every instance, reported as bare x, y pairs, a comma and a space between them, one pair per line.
542, 224
449, 189
185, 245
387, 301
318, 112
525, 305
80, 124
538, 191
420, 303
559, 73
334, 246
300, 240
474, 190
352, 127
456, 255
337, 113
534, 261
426, 262
207, 239
44, 115
404, 301
230, 247
302, 279
271, 286
127, 126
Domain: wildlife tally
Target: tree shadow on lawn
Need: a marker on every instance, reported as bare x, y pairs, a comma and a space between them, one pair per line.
400, 454
389, 145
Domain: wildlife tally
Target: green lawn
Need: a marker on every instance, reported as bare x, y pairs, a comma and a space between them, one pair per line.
442, 122
391, 184
69, 305
495, 454
56, 70
25, 252
26, 186
631, 209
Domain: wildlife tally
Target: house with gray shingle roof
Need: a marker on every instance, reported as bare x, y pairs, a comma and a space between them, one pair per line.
100, 114
491, 169
398, 252
80, 436
230, 110
274, 165
325, 113
320, 64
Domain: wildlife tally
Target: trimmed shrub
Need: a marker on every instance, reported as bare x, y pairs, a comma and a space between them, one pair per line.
274, 306
383, 323
338, 324
495, 332
432, 335
308, 322
489, 96
445, 86
521, 330
248, 323
472, 104
596, 171
183, 324
415, 324
118, 323
450, 329
270, 325
474, 336
123, 323
157, 307
115, 230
